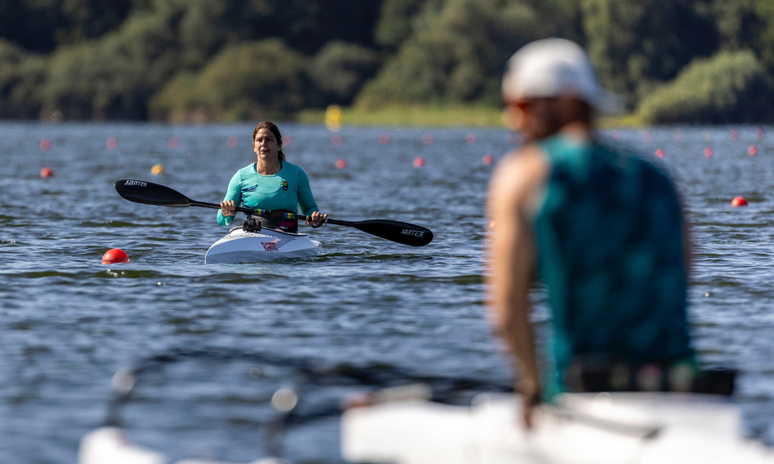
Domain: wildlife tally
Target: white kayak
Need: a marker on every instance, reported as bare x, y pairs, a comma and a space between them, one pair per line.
618, 428
266, 245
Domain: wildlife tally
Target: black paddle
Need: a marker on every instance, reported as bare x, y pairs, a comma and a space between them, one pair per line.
140, 191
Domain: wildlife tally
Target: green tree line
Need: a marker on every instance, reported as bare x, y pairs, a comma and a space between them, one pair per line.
673, 61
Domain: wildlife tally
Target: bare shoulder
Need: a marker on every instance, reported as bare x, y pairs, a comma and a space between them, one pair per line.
518, 176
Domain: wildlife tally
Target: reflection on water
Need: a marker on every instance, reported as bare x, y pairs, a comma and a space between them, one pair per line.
364, 305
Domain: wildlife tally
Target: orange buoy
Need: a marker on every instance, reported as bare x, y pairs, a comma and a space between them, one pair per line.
157, 170
115, 255
708, 152
45, 144
487, 159
733, 135
341, 163
738, 201
419, 161
384, 138
46, 172
173, 142
337, 140
660, 153
752, 150
232, 141
112, 143
428, 139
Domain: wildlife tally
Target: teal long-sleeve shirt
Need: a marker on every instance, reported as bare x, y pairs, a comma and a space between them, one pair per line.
287, 190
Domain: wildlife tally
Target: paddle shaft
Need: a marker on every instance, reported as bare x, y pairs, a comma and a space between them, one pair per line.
140, 191
265, 212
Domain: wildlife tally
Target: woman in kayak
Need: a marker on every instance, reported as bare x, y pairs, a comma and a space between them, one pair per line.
271, 183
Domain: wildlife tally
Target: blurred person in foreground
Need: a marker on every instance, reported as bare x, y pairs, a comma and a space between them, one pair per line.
602, 227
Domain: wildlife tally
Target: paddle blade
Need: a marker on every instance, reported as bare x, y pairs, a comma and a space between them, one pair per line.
396, 231
140, 191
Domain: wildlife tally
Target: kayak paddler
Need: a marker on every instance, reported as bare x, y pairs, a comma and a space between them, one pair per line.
271, 183
600, 226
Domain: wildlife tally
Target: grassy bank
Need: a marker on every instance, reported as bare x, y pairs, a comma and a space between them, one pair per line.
437, 116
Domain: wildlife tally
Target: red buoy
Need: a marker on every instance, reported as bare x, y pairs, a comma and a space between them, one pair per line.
341, 163
419, 161
112, 143
752, 150
337, 140
45, 144
428, 139
173, 143
114, 256
384, 138
660, 153
733, 135
708, 152
470, 137
232, 141
738, 201
46, 172
487, 159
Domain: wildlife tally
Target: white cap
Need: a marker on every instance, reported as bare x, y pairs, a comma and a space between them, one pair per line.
555, 68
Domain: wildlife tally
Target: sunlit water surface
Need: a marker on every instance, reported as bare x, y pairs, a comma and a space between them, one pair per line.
364, 305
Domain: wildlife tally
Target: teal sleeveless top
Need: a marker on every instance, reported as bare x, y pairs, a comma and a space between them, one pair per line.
286, 190
610, 247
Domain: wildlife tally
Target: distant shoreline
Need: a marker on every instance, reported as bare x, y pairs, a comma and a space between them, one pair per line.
437, 116
479, 116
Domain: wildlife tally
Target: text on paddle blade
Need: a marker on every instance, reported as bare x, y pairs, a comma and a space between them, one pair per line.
413, 233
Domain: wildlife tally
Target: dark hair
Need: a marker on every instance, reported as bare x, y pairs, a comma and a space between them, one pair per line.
274, 130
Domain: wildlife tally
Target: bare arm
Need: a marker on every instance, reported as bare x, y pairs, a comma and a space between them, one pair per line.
512, 258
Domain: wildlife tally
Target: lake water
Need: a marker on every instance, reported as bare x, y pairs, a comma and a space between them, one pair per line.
365, 312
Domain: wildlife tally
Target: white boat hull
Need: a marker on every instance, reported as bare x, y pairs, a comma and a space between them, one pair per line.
267, 245
584, 429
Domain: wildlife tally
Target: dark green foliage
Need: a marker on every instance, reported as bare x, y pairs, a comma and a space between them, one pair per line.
395, 21
42, 25
21, 75
737, 23
764, 11
460, 47
113, 78
243, 81
134, 59
731, 87
637, 44
305, 25
340, 69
